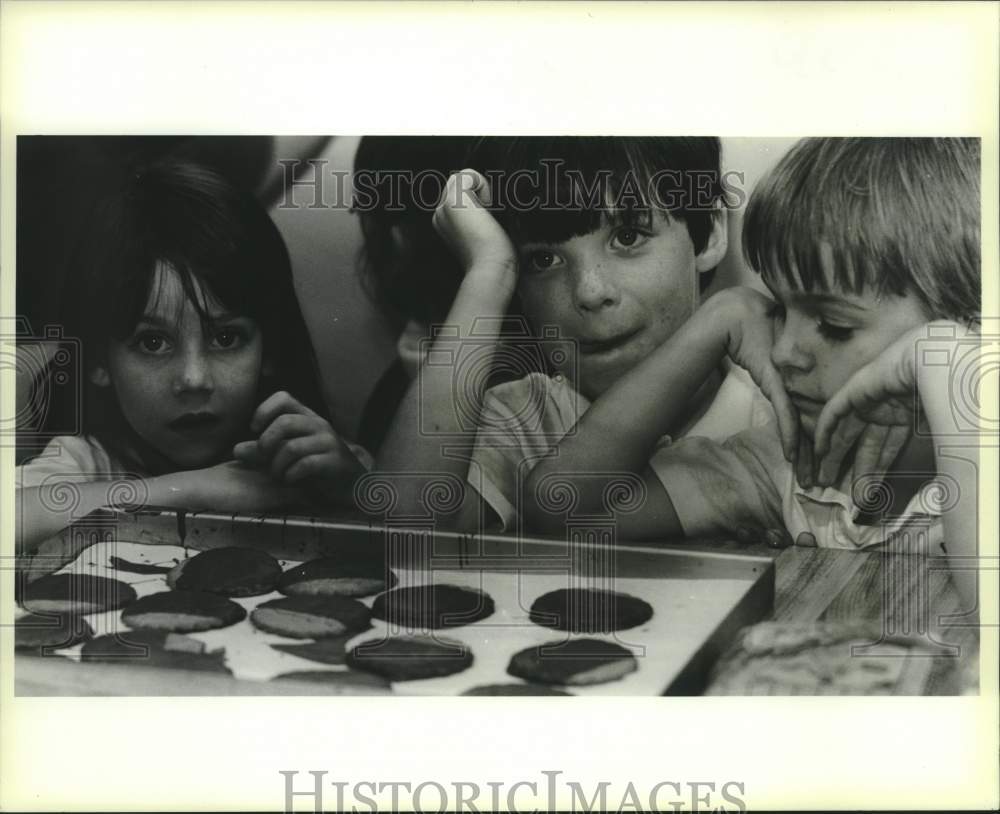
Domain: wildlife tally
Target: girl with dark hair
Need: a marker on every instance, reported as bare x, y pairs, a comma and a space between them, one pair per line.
200, 379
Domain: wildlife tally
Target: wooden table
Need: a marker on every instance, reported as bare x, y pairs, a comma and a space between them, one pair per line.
897, 594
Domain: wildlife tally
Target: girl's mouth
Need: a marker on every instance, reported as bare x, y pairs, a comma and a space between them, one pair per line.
195, 421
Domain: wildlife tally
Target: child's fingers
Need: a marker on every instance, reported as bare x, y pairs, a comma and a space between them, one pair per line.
869, 451
841, 441
295, 449
894, 442
323, 465
286, 426
804, 463
788, 418
248, 452
275, 405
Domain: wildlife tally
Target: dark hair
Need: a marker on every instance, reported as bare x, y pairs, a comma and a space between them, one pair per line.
889, 215
188, 218
406, 268
552, 188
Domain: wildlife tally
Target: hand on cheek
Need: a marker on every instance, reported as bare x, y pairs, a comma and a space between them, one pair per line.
873, 413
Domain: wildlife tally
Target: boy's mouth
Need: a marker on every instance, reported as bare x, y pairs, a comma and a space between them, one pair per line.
592, 347
804, 403
195, 421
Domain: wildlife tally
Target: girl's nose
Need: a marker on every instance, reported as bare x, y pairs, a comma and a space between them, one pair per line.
195, 373
594, 287
789, 351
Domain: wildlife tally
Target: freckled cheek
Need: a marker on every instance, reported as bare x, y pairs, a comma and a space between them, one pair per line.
546, 305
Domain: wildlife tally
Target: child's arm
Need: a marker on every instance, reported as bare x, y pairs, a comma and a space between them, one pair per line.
931, 362
490, 263
620, 430
45, 510
297, 446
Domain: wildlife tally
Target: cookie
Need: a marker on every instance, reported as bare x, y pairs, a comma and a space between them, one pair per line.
337, 576
153, 648
589, 610
182, 612
578, 662
514, 689
37, 634
410, 658
432, 607
76, 594
230, 571
311, 617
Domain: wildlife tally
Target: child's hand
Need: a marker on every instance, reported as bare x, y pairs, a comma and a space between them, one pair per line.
295, 445
879, 403
472, 233
746, 315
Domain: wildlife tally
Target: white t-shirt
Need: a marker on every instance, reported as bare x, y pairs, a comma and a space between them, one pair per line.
522, 420
84, 458
72, 458
745, 482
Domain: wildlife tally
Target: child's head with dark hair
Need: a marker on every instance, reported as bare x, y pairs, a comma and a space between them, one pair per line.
405, 266
616, 239
860, 240
181, 294
553, 188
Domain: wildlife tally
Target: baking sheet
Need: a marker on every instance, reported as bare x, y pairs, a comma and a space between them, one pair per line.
687, 610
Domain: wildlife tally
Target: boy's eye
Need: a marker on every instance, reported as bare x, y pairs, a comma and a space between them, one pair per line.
629, 237
833, 332
153, 343
541, 260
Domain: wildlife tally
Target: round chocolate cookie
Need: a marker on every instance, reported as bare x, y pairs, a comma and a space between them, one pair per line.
182, 612
589, 610
348, 679
35, 633
311, 617
410, 658
431, 607
575, 662
336, 576
153, 648
514, 689
76, 594
228, 571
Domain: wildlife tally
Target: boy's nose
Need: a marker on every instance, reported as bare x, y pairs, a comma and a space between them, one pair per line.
195, 373
788, 351
594, 288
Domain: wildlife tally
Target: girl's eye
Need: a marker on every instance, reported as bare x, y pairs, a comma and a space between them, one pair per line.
628, 237
542, 260
835, 333
229, 338
152, 343
776, 311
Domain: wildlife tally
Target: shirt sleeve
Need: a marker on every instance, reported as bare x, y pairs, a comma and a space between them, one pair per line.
72, 457
519, 424
717, 488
